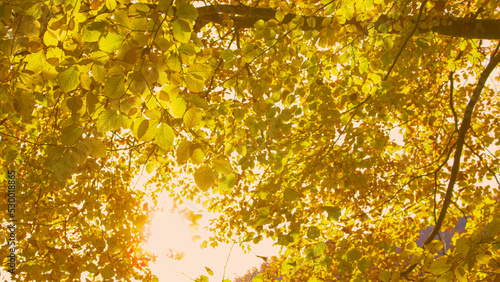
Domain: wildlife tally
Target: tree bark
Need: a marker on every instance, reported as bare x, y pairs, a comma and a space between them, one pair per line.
246, 17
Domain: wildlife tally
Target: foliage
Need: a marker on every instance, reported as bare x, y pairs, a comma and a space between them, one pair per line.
337, 128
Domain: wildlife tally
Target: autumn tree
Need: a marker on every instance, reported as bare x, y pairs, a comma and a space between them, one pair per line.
337, 128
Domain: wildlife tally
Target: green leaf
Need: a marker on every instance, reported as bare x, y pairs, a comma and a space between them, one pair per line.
111, 42
333, 212
204, 177
114, 87
69, 79
313, 232
192, 118
165, 136
187, 11
181, 31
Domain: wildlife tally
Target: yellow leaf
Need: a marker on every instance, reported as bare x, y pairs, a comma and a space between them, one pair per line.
187, 11
69, 79
50, 39
280, 15
108, 120
111, 4
192, 118
183, 152
177, 107
222, 166
204, 177
110, 42
98, 73
114, 87
165, 136
198, 156
146, 130
439, 266
181, 31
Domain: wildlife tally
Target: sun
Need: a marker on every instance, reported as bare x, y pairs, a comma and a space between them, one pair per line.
170, 235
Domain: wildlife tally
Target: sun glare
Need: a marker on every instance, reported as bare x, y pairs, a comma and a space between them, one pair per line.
170, 235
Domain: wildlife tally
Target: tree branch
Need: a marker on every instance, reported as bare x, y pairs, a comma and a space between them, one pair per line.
464, 127
246, 17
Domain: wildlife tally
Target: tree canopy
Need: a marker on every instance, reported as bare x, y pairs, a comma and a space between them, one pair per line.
337, 128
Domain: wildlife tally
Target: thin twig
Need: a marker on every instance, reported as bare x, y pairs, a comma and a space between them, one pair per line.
227, 261
406, 40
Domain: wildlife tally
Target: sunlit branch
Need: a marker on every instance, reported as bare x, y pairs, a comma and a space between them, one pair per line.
449, 26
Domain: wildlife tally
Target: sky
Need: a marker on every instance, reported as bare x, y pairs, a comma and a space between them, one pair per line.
171, 231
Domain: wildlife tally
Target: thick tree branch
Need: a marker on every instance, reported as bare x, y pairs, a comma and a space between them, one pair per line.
464, 127
246, 17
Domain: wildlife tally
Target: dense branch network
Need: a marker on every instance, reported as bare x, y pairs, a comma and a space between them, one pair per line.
464, 127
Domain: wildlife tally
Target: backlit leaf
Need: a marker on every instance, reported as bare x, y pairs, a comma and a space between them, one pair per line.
187, 11
353, 255
181, 31
93, 31
227, 181
69, 79
290, 195
165, 136
222, 166
439, 266
192, 118
209, 271
107, 120
111, 4
333, 212
313, 232
114, 87
183, 152
110, 42
204, 177
98, 73
177, 107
